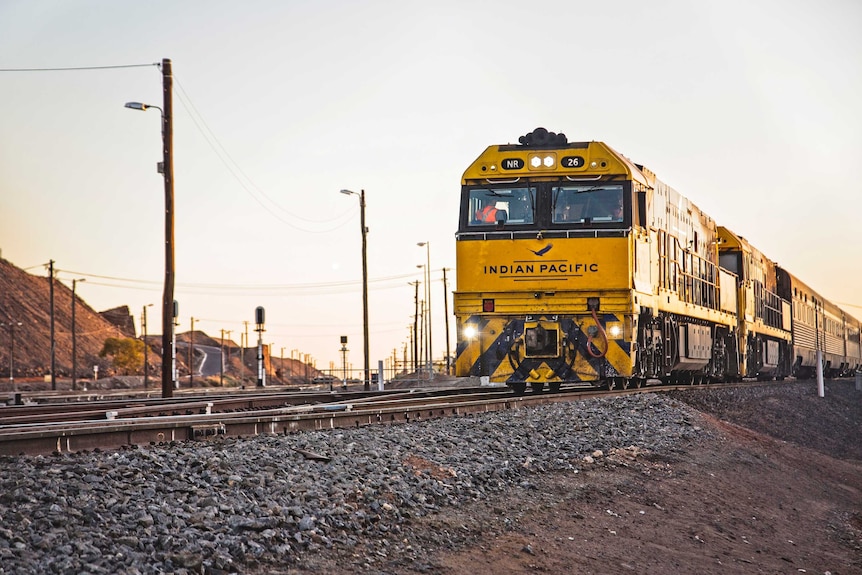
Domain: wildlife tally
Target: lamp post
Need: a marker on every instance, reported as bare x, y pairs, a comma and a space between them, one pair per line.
146, 347
367, 375
167, 170
74, 338
427, 246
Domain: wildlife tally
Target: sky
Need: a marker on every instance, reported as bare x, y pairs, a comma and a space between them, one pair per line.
751, 109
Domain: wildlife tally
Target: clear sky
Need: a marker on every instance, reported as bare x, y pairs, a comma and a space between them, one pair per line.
752, 109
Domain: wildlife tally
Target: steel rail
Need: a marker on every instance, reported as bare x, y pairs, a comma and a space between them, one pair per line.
408, 406
69, 437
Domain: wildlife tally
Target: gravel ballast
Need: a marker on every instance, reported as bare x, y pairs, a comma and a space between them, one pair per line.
266, 503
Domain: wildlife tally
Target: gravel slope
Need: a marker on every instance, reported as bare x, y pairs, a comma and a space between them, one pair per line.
237, 505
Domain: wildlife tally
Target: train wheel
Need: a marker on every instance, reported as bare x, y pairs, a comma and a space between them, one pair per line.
555, 386
519, 388
538, 386
610, 384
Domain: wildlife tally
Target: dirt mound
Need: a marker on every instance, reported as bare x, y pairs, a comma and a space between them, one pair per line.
25, 309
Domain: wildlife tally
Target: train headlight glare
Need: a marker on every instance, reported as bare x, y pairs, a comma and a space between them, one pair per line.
615, 330
536, 161
470, 331
548, 161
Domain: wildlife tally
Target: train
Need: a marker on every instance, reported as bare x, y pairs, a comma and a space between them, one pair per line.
577, 266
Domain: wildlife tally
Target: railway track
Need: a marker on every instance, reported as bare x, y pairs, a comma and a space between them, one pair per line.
67, 428
114, 423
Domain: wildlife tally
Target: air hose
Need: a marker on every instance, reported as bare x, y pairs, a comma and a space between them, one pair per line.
603, 335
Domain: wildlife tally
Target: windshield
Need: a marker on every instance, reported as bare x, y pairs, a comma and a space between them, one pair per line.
587, 203
508, 205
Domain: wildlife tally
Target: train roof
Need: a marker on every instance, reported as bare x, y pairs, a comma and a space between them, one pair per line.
731, 240
828, 305
509, 161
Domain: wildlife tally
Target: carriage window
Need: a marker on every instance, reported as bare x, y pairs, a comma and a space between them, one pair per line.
505, 205
588, 203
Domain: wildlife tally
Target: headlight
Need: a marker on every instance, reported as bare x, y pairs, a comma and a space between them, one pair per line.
545, 161
615, 330
470, 331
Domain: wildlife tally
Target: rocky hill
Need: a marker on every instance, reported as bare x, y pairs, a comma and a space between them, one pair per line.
25, 311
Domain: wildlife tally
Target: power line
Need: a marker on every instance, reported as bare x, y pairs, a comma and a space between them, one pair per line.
241, 177
77, 68
221, 152
244, 288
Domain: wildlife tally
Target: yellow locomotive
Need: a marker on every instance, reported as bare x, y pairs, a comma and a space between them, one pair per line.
576, 265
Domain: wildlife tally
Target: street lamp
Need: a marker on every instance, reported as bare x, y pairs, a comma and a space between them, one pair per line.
364, 230
146, 347
167, 170
74, 339
427, 246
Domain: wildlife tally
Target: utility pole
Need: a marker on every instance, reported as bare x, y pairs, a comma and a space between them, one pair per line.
191, 353
166, 168
74, 347
416, 327
53, 344
411, 364
423, 349
427, 246
168, 173
367, 375
228, 332
242, 351
146, 349
175, 379
221, 370
446, 317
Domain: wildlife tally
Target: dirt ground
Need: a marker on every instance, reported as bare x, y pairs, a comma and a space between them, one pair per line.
743, 500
